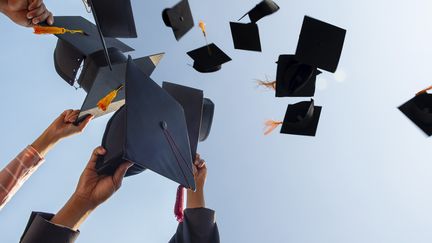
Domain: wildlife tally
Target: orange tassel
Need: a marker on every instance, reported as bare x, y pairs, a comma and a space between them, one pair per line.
202, 26
424, 91
106, 101
267, 84
40, 30
271, 125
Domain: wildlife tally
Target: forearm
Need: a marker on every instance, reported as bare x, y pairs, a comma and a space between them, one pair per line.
73, 214
44, 143
195, 199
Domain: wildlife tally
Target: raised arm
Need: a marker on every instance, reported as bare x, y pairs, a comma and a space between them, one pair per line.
13, 176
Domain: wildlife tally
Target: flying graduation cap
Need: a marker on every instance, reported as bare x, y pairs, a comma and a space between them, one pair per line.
209, 58
76, 52
246, 36
113, 18
419, 111
320, 44
198, 111
150, 130
300, 119
179, 18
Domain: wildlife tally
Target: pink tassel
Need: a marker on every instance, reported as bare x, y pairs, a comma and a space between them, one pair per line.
179, 204
271, 125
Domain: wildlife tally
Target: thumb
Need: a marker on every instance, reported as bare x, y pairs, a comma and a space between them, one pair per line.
84, 123
120, 173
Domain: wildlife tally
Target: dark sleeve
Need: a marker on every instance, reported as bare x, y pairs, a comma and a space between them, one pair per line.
198, 226
40, 229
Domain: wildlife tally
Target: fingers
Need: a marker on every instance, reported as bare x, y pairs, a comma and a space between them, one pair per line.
50, 19
120, 173
70, 114
36, 12
99, 151
42, 17
66, 114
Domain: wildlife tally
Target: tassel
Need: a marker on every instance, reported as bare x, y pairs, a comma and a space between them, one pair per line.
202, 26
271, 125
40, 30
179, 204
424, 91
267, 84
106, 101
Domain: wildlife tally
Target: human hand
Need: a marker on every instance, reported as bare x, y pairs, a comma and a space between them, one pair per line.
199, 172
64, 126
92, 190
196, 199
27, 12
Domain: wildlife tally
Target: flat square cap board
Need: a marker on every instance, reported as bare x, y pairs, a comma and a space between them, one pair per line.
320, 44
154, 133
97, 80
261, 10
114, 18
419, 111
179, 18
208, 58
294, 79
246, 36
72, 49
192, 101
301, 119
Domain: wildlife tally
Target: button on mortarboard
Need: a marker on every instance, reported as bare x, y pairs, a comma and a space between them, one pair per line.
301, 119
155, 132
179, 18
320, 44
208, 58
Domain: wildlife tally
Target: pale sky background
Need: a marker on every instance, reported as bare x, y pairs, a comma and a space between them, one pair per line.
365, 177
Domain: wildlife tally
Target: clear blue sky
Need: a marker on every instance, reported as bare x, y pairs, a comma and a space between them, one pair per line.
365, 177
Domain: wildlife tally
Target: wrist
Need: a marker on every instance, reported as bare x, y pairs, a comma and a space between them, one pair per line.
73, 213
44, 143
195, 199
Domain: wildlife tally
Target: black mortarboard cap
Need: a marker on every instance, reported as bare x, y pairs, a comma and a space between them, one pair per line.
246, 36
208, 58
294, 79
73, 49
114, 18
149, 130
199, 114
301, 119
98, 81
264, 8
419, 111
320, 44
179, 18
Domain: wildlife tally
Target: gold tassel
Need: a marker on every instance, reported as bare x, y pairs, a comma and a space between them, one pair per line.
271, 126
40, 30
267, 84
106, 101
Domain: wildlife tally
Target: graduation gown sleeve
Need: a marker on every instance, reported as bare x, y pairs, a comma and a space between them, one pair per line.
198, 226
39, 229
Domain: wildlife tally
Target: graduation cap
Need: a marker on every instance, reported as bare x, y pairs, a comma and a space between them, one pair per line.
208, 58
261, 10
295, 79
300, 119
113, 19
75, 50
198, 111
179, 18
150, 130
246, 36
320, 44
419, 111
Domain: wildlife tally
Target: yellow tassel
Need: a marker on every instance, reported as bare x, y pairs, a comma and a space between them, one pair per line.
424, 91
202, 26
40, 30
271, 126
106, 101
